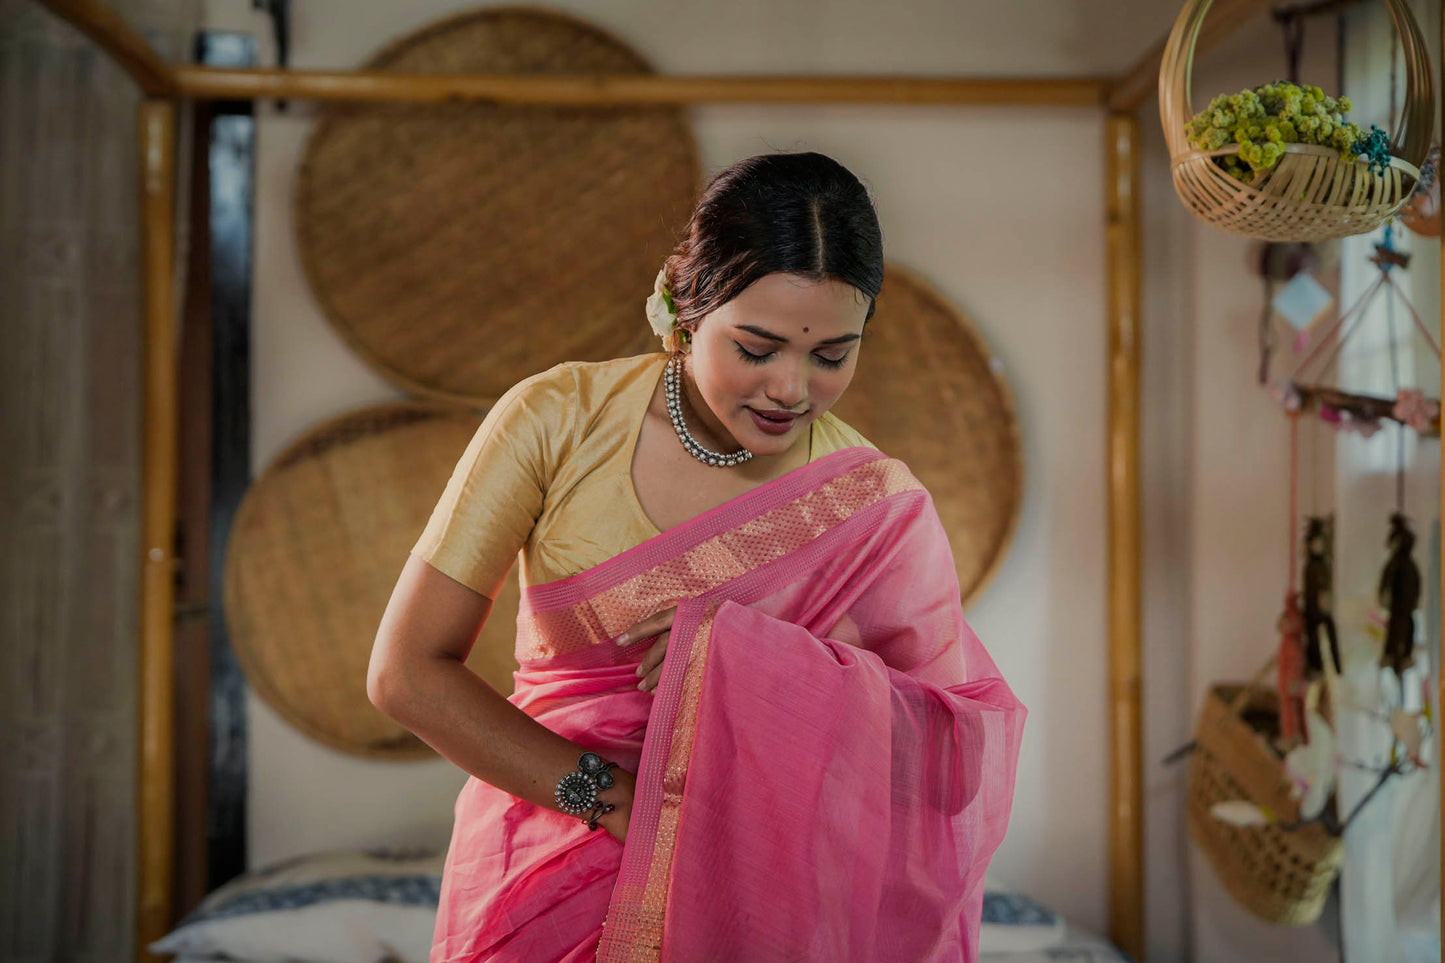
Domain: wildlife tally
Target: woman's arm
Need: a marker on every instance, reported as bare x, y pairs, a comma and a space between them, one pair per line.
418, 676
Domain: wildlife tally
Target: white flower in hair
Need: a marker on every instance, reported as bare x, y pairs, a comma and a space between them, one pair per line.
661, 311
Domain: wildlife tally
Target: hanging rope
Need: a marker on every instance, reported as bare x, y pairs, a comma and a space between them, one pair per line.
1266, 332
1293, 500
1324, 337
1293, 28
1415, 316
1390, 316
1400, 428
1314, 462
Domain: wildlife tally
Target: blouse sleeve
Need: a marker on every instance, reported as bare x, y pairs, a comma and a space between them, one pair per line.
496, 491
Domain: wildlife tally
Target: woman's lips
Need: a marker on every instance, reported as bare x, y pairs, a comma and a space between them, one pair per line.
773, 426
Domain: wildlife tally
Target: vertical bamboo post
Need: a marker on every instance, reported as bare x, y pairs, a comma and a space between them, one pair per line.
1440, 669
156, 789
1126, 812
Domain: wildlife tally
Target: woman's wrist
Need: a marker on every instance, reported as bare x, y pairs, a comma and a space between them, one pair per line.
590, 790
615, 820
620, 796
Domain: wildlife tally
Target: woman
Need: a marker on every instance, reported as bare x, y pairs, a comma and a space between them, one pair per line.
741, 647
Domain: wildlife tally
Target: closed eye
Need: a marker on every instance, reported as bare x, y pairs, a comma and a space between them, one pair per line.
823, 360
749, 357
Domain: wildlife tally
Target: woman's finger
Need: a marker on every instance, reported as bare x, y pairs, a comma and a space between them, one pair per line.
655, 655
649, 682
648, 627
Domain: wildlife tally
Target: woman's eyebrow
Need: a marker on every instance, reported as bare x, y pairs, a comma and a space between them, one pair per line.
763, 333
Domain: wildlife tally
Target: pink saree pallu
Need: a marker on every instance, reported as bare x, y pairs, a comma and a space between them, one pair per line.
823, 772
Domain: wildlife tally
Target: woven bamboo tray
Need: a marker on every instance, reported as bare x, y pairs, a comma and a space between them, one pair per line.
459, 248
929, 391
1311, 194
314, 553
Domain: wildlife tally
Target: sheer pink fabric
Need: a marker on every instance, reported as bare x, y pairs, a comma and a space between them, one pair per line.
824, 771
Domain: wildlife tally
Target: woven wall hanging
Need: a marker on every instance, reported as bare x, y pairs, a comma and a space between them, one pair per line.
459, 248
313, 557
929, 391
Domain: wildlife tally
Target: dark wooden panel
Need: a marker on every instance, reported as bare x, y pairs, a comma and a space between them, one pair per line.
232, 158
70, 430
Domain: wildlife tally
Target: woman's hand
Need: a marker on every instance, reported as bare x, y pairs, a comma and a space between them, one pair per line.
651, 667
619, 794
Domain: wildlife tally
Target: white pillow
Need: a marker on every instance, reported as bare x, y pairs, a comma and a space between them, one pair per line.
334, 907
380, 905
1014, 923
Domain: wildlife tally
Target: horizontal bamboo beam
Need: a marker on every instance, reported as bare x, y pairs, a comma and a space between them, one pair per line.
1141, 81
115, 37
205, 83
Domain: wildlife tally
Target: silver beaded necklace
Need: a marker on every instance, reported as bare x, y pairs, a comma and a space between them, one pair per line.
671, 387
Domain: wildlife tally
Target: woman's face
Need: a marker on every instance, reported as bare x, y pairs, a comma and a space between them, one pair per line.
774, 358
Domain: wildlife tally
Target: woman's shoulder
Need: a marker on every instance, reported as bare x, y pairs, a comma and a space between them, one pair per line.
583, 384
606, 377
831, 433
571, 401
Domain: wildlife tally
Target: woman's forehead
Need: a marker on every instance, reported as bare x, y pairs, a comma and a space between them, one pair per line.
786, 304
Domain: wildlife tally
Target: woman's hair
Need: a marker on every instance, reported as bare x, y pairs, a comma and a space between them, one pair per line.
800, 213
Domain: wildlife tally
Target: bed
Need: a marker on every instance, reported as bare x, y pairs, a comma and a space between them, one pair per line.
378, 906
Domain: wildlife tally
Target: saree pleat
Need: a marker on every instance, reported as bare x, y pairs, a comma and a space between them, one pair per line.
823, 771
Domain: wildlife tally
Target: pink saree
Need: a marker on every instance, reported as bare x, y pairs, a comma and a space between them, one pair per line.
823, 772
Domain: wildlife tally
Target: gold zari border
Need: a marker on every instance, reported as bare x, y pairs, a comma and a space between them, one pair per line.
711, 563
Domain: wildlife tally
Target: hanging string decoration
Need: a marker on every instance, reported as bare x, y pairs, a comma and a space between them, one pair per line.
1292, 674
1303, 390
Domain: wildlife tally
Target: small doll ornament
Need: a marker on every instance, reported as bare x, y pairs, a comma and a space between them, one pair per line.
1319, 620
1399, 595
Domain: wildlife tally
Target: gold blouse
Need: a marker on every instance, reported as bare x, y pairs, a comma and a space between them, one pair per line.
549, 474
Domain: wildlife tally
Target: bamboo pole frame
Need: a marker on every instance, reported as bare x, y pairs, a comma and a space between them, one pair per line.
1125, 608
209, 83
114, 36
1119, 98
160, 476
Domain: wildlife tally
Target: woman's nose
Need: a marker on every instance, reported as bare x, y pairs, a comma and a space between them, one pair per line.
790, 387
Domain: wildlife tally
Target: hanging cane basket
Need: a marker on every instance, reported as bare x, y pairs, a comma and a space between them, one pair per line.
1279, 875
1311, 194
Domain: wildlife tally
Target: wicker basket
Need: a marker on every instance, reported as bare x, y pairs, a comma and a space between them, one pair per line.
948, 414
1279, 875
1311, 194
459, 247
